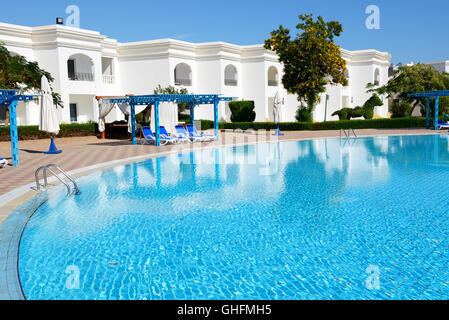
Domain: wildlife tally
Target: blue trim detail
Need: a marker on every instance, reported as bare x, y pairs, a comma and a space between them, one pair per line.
133, 123
14, 133
10, 99
156, 124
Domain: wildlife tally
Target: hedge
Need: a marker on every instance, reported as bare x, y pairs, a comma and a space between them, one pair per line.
397, 123
90, 129
66, 130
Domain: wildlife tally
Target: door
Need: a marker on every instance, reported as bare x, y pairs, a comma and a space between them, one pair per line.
71, 69
73, 112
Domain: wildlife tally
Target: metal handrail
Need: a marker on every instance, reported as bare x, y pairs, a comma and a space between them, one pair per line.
75, 191
348, 133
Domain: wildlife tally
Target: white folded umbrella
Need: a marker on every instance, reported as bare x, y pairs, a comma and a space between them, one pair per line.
48, 120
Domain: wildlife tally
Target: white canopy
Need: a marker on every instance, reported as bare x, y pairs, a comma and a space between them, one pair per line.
105, 108
48, 121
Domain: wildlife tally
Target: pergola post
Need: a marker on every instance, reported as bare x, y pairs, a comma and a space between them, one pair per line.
14, 133
192, 112
428, 114
133, 122
156, 123
216, 118
437, 103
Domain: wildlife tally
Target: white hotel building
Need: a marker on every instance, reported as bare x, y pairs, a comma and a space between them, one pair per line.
86, 64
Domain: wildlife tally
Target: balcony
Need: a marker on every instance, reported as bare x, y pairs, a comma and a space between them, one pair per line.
80, 76
183, 82
108, 79
230, 82
272, 83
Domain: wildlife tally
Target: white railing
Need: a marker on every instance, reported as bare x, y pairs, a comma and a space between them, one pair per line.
80, 76
109, 79
230, 82
183, 82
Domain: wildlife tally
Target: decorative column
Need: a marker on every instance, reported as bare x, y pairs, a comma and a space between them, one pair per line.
192, 113
216, 102
437, 105
14, 133
156, 123
133, 122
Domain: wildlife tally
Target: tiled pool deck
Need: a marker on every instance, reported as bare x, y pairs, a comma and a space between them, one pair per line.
86, 154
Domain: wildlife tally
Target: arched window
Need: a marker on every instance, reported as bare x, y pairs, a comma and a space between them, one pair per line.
183, 75
231, 76
377, 77
273, 77
80, 68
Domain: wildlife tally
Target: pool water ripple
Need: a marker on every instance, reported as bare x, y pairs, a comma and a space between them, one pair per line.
307, 225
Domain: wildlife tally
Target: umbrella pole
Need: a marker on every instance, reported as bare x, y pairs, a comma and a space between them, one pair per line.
53, 149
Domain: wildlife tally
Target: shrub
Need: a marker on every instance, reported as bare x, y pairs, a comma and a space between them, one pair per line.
242, 111
343, 114
184, 118
206, 124
367, 111
303, 115
400, 109
66, 130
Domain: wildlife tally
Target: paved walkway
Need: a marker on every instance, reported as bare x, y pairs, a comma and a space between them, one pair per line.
82, 152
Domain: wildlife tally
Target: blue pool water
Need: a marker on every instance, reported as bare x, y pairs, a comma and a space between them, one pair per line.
327, 219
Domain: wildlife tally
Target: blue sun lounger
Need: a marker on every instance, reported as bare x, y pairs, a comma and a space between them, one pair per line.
165, 135
3, 163
149, 137
182, 134
194, 133
442, 125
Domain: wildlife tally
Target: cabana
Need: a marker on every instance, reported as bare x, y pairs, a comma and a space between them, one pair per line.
155, 100
10, 99
429, 95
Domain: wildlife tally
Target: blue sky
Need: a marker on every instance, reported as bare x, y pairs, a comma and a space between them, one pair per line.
410, 30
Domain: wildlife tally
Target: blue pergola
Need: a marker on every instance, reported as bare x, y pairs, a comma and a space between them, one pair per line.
431, 95
10, 99
191, 99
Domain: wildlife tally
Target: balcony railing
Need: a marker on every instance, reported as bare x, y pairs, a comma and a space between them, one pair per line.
272, 83
230, 82
79, 76
108, 79
183, 82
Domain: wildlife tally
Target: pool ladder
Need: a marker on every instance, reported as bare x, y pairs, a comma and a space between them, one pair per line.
75, 190
347, 133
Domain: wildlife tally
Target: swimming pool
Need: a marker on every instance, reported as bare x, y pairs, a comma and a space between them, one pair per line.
323, 219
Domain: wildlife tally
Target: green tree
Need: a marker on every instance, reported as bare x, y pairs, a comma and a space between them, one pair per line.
173, 90
19, 74
311, 60
413, 79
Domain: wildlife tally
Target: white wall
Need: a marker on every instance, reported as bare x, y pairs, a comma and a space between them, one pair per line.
140, 67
